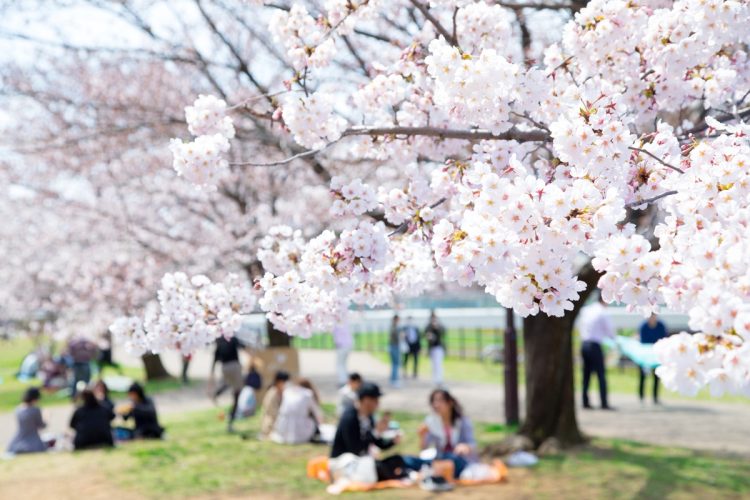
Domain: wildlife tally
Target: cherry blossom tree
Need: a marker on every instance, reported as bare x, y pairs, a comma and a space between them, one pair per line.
509, 146
524, 157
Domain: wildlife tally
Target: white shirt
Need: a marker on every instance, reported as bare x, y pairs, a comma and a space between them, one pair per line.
594, 324
342, 336
298, 416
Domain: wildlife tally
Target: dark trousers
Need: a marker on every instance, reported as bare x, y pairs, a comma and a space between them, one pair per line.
81, 373
642, 385
593, 362
414, 353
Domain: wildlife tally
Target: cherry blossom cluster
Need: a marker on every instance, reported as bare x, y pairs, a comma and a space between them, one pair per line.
203, 161
308, 41
353, 198
700, 265
312, 121
192, 313
476, 88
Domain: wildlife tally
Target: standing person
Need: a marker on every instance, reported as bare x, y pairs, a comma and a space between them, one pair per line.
81, 353
271, 403
343, 340
186, 358
91, 423
348, 394
357, 431
228, 354
595, 327
449, 431
30, 422
105, 353
413, 343
651, 331
394, 349
143, 411
435, 334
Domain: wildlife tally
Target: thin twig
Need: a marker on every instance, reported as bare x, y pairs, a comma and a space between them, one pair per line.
648, 153
434, 21
405, 224
649, 200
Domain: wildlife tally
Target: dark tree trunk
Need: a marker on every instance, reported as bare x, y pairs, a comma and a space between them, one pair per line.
154, 367
550, 392
548, 356
277, 338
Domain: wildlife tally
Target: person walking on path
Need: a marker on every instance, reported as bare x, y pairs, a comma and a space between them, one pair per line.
228, 354
435, 335
343, 340
394, 349
413, 343
30, 422
650, 332
595, 327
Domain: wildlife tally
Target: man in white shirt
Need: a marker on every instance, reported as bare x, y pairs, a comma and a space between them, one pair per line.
595, 326
343, 340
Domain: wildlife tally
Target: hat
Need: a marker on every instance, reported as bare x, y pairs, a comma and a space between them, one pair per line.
369, 390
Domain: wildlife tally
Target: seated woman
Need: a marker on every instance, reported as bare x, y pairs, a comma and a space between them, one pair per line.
448, 431
101, 391
299, 414
91, 423
30, 421
143, 411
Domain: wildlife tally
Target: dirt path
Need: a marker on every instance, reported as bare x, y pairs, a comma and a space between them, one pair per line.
695, 425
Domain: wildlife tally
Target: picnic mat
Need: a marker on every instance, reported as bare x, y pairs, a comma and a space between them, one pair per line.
317, 468
642, 355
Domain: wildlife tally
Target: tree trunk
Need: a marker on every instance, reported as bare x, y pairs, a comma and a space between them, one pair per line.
154, 367
550, 392
277, 338
548, 356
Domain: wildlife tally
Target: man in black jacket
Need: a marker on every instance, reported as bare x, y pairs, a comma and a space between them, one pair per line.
357, 429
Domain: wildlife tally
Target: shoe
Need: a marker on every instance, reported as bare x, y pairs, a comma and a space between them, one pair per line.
435, 483
608, 408
588, 407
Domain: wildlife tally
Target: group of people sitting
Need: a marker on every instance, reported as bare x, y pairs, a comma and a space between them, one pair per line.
446, 431
91, 422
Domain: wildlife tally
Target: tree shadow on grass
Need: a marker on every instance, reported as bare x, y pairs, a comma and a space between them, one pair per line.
662, 470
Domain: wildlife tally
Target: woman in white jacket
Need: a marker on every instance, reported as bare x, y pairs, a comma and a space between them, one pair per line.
299, 416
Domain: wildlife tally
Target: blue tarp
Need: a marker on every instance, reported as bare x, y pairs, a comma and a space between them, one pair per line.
642, 355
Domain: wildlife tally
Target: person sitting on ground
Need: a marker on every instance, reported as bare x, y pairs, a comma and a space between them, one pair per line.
143, 411
299, 415
91, 423
348, 394
448, 431
30, 422
101, 391
357, 432
272, 403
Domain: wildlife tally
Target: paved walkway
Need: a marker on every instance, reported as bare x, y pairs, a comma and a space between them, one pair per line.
707, 426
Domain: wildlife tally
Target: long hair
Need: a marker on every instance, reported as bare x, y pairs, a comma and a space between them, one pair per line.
303, 382
88, 398
456, 410
138, 390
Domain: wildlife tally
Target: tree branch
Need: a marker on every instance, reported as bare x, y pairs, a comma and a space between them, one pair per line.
648, 153
649, 200
434, 21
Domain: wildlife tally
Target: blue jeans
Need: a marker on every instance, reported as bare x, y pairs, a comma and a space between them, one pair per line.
459, 463
395, 352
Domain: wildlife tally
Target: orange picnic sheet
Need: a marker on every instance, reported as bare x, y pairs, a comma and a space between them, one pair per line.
317, 468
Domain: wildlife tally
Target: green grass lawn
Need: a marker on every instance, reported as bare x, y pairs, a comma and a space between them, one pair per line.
198, 459
12, 353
